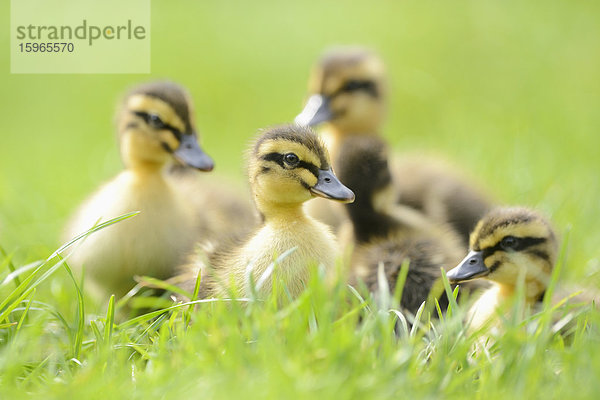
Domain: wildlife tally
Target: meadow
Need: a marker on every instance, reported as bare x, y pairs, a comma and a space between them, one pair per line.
509, 91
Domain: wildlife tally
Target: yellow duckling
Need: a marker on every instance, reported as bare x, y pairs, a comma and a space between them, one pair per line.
348, 94
508, 244
155, 126
288, 165
348, 91
391, 234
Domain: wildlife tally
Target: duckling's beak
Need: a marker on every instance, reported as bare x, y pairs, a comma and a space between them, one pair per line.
190, 153
316, 111
330, 187
471, 267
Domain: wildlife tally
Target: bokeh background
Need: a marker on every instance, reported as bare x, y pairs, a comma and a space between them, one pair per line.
510, 91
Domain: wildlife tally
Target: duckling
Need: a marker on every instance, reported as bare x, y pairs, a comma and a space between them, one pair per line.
391, 234
155, 125
223, 207
348, 94
288, 165
508, 244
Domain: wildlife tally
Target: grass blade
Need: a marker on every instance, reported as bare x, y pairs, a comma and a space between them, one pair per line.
95, 228
154, 283
96, 331
402, 320
150, 315
78, 339
25, 312
400, 282
14, 275
452, 305
187, 316
263, 278
109, 323
417, 321
7, 325
9, 263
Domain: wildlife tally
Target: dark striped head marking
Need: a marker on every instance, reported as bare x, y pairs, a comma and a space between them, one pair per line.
348, 70
312, 147
156, 122
347, 88
508, 242
171, 94
289, 165
528, 226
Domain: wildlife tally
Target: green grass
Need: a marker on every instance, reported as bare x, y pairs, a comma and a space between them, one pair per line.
508, 90
329, 342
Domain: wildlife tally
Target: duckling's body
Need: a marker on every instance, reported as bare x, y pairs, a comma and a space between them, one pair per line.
154, 126
151, 243
288, 166
508, 244
436, 188
313, 241
391, 234
223, 208
348, 95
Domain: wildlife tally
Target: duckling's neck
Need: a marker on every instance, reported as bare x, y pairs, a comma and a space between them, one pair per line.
369, 223
280, 213
145, 169
333, 137
534, 291
141, 156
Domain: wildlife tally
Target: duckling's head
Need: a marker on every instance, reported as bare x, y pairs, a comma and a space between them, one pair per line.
507, 243
362, 163
289, 165
156, 124
347, 90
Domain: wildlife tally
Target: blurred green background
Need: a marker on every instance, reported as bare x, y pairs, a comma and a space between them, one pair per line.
508, 90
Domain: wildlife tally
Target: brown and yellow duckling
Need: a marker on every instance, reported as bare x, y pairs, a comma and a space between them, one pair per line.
348, 95
288, 165
508, 245
155, 125
391, 234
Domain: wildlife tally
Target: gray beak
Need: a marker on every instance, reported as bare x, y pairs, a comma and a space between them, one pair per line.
471, 267
190, 153
330, 187
316, 111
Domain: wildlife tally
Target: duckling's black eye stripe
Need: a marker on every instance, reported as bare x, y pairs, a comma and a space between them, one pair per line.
522, 244
174, 131
353, 86
166, 147
278, 158
540, 254
495, 266
146, 117
312, 168
304, 184
275, 157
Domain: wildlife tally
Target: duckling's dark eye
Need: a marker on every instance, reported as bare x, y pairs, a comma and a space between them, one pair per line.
155, 121
152, 119
509, 243
354, 85
291, 159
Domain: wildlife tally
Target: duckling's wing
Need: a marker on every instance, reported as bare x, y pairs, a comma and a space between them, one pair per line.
440, 191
